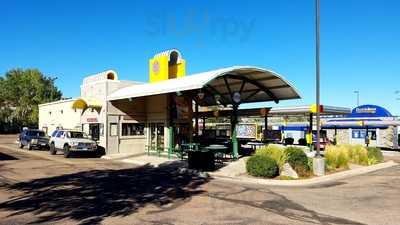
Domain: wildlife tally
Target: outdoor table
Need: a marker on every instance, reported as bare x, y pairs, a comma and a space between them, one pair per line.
254, 145
191, 146
216, 148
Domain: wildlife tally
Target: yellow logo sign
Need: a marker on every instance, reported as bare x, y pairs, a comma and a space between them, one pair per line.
166, 65
156, 67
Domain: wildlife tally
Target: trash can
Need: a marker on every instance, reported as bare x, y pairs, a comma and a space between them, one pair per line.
201, 160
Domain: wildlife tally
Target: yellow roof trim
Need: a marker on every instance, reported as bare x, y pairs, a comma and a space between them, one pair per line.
84, 103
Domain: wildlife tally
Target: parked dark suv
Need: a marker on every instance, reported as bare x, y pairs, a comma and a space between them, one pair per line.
33, 138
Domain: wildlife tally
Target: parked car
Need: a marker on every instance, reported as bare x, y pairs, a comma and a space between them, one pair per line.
69, 141
33, 138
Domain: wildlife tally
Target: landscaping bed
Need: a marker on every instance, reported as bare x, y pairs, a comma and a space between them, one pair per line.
291, 163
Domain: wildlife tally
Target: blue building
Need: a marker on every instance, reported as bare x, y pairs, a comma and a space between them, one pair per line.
370, 124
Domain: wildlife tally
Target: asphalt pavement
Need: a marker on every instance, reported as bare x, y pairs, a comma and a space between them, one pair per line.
42, 189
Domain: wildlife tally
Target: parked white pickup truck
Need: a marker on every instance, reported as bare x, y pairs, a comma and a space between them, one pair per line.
70, 141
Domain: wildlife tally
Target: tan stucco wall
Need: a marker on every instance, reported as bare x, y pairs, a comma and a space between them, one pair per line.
59, 114
157, 108
386, 137
135, 108
152, 109
135, 145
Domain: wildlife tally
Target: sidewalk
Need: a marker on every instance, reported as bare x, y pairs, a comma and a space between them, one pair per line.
235, 171
142, 159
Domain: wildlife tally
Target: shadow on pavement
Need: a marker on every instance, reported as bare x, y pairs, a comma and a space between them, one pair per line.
4, 156
90, 196
280, 205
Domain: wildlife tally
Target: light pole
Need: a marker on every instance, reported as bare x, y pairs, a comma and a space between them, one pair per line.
318, 161
317, 74
358, 97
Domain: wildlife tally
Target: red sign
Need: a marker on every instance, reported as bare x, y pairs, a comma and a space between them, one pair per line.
91, 120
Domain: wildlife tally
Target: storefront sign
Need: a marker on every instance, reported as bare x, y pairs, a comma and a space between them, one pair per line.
246, 130
156, 67
183, 110
91, 120
366, 110
370, 111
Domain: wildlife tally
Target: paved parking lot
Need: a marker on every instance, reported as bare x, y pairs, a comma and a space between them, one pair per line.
44, 189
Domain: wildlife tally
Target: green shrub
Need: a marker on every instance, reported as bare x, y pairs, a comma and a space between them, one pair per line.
372, 161
336, 156
298, 160
374, 155
340, 156
262, 166
275, 152
358, 154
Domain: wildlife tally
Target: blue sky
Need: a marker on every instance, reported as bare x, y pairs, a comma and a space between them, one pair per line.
72, 39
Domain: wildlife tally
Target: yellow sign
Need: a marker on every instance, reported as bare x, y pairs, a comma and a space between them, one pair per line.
166, 65
309, 138
313, 108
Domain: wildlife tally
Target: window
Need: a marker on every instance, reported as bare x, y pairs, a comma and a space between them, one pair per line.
60, 133
113, 129
45, 129
360, 134
75, 134
102, 129
36, 133
372, 135
54, 133
132, 129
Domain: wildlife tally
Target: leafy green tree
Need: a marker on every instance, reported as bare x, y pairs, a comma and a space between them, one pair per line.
21, 91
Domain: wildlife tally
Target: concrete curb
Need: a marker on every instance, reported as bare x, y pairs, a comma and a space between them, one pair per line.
120, 156
307, 182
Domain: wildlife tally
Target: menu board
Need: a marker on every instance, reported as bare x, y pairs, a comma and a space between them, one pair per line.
246, 131
182, 108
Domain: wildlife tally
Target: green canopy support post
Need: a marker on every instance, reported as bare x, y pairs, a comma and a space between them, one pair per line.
235, 145
171, 140
170, 126
196, 119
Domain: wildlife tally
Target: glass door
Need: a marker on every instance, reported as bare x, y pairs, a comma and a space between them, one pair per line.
157, 135
160, 136
94, 131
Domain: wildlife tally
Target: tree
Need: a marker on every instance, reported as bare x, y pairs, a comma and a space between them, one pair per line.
21, 91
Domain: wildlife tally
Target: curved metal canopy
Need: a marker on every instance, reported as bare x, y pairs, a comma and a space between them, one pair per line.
227, 86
